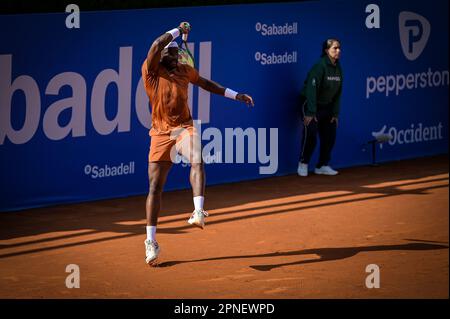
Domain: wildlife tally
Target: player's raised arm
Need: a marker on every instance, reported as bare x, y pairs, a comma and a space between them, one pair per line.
154, 53
216, 88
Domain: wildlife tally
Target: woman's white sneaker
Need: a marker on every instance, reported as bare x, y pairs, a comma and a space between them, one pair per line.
325, 170
302, 169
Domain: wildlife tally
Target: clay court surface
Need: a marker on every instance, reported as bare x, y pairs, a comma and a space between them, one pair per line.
280, 237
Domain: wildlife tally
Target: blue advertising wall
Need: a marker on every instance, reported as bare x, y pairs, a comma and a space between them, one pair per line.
73, 109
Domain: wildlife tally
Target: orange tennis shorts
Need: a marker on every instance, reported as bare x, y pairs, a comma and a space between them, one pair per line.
183, 140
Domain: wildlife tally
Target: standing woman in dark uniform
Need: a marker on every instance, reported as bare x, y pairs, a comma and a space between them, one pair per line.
320, 103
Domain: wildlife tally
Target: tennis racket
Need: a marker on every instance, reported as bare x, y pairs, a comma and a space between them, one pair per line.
184, 54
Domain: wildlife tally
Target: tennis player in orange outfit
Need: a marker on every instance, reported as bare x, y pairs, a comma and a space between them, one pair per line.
166, 83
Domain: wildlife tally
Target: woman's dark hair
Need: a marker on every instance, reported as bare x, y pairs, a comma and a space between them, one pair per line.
327, 44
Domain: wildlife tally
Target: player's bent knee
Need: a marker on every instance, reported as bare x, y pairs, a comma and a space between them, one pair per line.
155, 189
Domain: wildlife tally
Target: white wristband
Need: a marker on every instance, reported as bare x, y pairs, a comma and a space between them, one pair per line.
175, 33
230, 94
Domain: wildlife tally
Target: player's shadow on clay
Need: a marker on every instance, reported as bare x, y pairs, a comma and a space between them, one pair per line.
324, 254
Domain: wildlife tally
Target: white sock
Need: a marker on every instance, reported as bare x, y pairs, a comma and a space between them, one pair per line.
151, 232
198, 202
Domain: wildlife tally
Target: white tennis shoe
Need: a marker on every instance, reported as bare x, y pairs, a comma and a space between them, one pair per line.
325, 170
198, 218
302, 169
151, 252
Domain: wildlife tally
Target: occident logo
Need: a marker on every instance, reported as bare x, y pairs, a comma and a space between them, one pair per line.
416, 133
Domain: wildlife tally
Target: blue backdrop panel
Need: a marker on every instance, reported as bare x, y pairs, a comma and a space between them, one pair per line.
74, 118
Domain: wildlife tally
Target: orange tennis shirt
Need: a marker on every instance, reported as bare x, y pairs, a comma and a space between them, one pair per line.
168, 95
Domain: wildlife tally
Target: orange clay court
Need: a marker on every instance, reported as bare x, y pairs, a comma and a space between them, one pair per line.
280, 237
